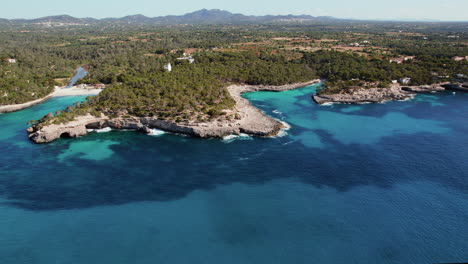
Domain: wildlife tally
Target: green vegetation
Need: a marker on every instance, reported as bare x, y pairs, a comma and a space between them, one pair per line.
347, 69
22, 82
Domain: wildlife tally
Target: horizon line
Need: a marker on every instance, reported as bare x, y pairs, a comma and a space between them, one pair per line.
409, 20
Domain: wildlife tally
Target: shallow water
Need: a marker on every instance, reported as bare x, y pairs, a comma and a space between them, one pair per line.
382, 183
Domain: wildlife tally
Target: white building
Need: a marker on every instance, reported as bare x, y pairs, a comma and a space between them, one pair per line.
188, 58
405, 80
10, 60
168, 67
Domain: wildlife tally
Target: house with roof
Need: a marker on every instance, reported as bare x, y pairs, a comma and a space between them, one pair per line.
459, 58
188, 58
400, 60
11, 60
397, 60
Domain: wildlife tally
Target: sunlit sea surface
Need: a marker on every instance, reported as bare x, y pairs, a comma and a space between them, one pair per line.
376, 183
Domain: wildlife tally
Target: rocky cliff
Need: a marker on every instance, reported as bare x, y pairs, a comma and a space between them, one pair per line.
375, 95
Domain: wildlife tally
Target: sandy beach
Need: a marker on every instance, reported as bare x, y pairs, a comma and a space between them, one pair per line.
75, 91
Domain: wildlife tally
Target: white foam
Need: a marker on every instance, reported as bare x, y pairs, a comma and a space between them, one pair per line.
286, 125
103, 130
156, 132
241, 136
277, 112
283, 131
90, 130
289, 142
229, 138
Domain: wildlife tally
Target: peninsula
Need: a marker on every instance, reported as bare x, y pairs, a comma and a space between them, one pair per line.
248, 119
360, 95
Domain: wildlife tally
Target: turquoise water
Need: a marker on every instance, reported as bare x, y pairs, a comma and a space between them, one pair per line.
380, 183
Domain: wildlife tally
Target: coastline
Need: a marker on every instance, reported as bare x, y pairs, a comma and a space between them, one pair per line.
251, 121
18, 107
376, 95
73, 91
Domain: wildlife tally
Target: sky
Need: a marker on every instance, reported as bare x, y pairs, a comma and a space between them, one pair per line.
443, 10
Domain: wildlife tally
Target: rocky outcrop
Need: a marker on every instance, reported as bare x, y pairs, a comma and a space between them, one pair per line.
456, 87
251, 120
424, 88
72, 129
257, 125
365, 95
377, 95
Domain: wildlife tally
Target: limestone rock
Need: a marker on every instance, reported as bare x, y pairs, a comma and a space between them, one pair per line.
424, 88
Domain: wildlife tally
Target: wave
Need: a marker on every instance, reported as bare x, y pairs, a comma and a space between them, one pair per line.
289, 142
241, 136
284, 131
156, 132
103, 130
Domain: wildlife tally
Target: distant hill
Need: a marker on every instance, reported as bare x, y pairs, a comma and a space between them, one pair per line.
211, 15
204, 16
131, 19
66, 19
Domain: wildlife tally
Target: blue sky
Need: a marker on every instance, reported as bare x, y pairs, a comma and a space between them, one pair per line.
448, 10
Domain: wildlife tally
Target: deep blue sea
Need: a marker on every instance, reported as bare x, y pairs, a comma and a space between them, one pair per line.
376, 183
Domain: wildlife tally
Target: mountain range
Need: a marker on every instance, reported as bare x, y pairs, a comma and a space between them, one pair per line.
204, 16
